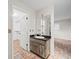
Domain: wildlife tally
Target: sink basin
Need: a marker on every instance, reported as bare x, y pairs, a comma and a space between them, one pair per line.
40, 37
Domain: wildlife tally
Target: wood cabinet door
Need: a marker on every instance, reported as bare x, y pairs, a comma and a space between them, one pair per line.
35, 47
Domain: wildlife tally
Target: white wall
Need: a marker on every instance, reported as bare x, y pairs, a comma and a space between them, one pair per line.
63, 29
31, 22
20, 6
62, 8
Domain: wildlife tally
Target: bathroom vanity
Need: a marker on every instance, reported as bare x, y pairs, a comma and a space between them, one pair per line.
40, 45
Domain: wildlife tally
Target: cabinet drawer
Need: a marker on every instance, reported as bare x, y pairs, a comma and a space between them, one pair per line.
38, 41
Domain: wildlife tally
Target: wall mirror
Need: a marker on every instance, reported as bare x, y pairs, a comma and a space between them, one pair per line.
46, 25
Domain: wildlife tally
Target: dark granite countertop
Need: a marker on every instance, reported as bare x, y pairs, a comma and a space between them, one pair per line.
43, 39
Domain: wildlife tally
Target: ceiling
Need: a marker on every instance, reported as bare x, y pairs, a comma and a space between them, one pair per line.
36, 4
62, 8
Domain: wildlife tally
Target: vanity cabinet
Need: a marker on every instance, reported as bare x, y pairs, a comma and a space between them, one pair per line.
40, 47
